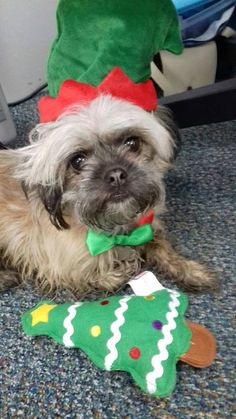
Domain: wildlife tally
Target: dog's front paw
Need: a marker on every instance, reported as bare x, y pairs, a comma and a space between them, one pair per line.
9, 279
196, 277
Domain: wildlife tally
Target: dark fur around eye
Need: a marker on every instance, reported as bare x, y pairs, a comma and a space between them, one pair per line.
77, 161
133, 144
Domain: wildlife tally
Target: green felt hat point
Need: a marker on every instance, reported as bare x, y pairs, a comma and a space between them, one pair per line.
93, 37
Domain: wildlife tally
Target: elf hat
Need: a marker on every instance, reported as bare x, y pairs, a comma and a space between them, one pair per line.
93, 37
116, 84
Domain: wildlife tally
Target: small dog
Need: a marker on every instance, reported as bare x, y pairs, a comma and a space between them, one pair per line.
97, 166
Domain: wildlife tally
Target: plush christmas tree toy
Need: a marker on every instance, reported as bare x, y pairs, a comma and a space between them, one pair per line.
145, 336
96, 36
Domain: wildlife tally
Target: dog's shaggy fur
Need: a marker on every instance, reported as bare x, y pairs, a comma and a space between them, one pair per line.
98, 166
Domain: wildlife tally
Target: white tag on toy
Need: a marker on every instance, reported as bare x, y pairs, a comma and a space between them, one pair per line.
145, 284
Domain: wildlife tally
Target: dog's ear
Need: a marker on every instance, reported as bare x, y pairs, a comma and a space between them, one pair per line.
51, 198
166, 119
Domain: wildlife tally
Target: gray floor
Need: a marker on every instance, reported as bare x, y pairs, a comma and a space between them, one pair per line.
40, 379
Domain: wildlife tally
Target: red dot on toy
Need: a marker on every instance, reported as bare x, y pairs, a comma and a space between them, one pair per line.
134, 353
104, 303
156, 324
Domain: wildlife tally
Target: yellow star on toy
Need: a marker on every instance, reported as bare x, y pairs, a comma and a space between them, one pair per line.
41, 313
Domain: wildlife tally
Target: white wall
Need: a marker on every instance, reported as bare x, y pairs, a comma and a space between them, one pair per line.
27, 28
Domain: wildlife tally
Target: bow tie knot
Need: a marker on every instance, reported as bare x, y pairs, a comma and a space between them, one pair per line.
98, 243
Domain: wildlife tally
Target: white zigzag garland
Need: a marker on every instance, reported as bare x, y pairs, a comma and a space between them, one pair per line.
68, 325
157, 360
115, 328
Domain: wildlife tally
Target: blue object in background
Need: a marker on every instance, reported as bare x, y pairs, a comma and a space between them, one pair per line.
201, 20
185, 6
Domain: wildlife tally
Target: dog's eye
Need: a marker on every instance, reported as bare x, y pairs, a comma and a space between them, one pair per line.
77, 161
133, 144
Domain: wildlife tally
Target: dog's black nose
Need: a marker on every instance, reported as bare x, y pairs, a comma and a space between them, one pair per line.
116, 177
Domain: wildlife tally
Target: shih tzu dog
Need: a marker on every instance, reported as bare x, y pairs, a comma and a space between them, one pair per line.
98, 167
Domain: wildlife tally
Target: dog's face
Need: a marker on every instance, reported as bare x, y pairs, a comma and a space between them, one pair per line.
101, 165
113, 181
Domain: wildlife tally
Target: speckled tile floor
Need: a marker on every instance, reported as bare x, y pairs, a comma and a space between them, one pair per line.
40, 379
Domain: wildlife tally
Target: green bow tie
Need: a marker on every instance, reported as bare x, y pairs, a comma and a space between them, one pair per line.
99, 242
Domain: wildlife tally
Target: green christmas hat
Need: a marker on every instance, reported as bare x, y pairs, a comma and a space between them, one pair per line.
94, 37
142, 335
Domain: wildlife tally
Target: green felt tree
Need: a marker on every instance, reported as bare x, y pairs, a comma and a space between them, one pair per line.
142, 335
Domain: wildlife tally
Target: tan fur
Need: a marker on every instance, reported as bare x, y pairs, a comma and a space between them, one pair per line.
31, 245
187, 273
